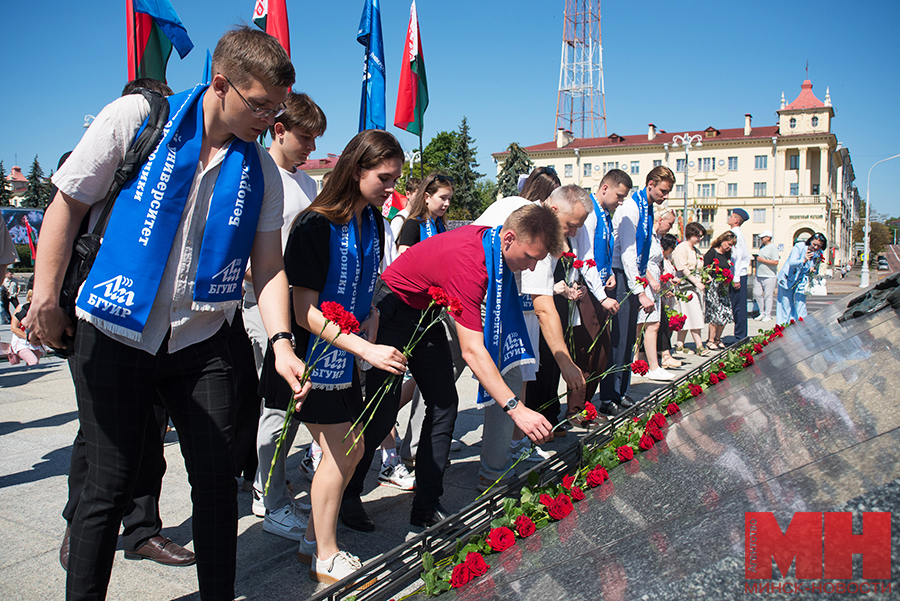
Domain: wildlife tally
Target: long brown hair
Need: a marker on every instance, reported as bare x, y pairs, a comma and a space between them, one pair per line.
429, 186
540, 184
367, 150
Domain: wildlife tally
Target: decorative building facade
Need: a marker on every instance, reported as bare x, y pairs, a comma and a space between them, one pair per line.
793, 178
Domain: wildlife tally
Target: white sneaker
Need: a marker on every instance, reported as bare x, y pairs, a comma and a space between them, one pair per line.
286, 523
660, 375
766, 319
258, 507
516, 449
310, 463
396, 475
336, 568
306, 552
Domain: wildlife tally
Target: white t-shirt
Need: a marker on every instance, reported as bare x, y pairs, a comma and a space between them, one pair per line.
87, 175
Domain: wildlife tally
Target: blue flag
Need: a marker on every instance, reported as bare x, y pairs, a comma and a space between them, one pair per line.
207, 70
371, 108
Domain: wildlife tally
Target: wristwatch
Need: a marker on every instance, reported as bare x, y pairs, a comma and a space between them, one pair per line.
511, 404
284, 336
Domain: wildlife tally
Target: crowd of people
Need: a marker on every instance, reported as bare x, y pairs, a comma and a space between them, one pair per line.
553, 283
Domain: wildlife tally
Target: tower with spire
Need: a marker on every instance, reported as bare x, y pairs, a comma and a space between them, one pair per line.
806, 114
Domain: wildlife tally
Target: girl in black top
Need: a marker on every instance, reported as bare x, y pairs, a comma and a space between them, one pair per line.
333, 253
718, 306
427, 209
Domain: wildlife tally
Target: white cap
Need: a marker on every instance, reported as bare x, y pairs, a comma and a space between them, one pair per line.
766, 234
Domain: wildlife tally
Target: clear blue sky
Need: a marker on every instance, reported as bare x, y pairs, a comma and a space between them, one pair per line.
680, 65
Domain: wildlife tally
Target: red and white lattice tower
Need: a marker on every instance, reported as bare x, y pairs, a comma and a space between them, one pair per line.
581, 104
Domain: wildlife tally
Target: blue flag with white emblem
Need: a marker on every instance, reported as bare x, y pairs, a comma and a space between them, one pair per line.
371, 108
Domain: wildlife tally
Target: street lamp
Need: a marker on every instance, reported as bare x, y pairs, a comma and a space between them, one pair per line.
687, 141
864, 280
88, 119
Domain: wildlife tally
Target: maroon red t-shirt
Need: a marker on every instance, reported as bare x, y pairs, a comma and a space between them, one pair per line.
453, 261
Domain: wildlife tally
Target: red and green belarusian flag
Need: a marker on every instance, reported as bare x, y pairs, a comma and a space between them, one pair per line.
395, 204
271, 17
412, 95
153, 29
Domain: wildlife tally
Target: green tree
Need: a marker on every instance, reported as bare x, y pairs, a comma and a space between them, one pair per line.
516, 163
879, 237
436, 156
5, 194
487, 192
38, 194
462, 170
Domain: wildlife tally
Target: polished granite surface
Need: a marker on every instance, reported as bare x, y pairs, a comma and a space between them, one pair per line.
812, 426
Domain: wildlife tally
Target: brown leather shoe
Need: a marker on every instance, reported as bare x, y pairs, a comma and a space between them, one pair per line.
64, 549
162, 550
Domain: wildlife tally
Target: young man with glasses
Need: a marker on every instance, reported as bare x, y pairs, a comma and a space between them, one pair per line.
153, 309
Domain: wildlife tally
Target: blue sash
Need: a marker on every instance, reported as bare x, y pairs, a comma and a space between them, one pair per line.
642, 235
122, 285
429, 228
352, 271
603, 241
503, 315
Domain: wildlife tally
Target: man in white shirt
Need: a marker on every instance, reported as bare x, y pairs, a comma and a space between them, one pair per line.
176, 350
766, 272
633, 225
740, 257
293, 140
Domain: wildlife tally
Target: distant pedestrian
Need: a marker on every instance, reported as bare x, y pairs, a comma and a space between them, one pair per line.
741, 261
687, 262
718, 310
764, 286
794, 277
9, 295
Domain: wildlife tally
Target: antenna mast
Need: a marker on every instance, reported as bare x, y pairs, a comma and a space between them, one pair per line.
581, 104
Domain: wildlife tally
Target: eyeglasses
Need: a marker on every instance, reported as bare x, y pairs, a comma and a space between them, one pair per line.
259, 113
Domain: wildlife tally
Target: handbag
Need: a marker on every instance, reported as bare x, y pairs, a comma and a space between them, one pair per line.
86, 246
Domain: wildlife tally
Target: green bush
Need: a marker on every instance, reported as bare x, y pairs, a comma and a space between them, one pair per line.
25, 263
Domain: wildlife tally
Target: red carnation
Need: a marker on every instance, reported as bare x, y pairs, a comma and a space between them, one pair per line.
476, 564
645, 443
568, 481
695, 390
642, 281
501, 539
597, 476
792, 322
342, 318
577, 494
713, 379
456, 307
666, 278
561, 507
721, 365
757, 348
640, 367
624, 453
578, 264
439, 296
659, 420
460, 576
655, 432
545, 500
800, 318
524, 526
690, 297
716, 261
590, 411
722, 375
568, 255
673, 408
591, 263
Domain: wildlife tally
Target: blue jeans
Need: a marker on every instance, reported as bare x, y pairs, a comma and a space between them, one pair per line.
791, 305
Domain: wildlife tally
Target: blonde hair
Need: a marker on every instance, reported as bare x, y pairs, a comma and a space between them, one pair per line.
243, 53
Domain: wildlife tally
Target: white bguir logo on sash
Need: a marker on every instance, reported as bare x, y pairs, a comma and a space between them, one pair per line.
116, 296
230, 277
332, 364
512, 347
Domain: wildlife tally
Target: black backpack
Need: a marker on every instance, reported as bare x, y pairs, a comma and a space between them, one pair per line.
87, 245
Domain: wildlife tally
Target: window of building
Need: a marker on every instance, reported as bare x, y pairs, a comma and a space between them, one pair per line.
635, 189
757, 243
587, 170
732, 163
706, 164
635, 167
794, 161
795, 189
732, 189
815, 189
679, 190
759, 189
759, 215
707, 190
567, 170
705, 241
706, 216
793, 123
657, 163
760, 161
815, 121
679, 165
607, 167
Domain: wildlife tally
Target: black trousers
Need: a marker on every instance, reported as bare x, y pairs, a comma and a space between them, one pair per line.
431, 364
592, 361
141, 521
247, 399
545, 387
116, 387
615, 386
739, 309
